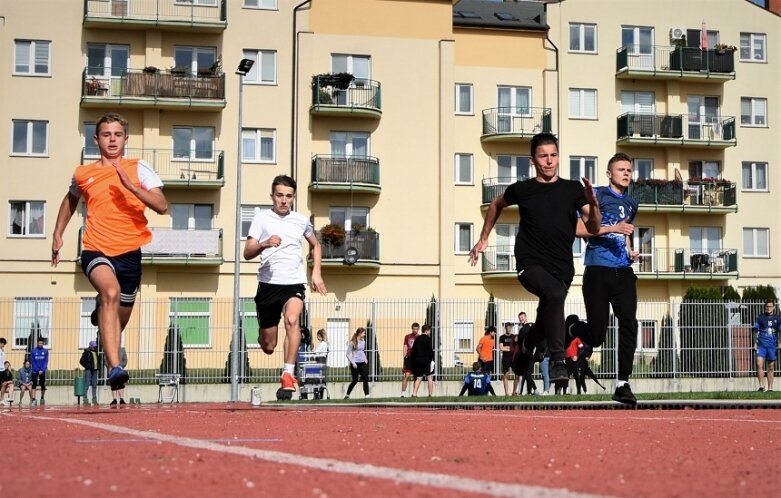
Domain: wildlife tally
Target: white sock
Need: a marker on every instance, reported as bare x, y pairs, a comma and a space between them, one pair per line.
289, 368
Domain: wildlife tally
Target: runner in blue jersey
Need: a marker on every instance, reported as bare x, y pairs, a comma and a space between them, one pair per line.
477, 382
767, 325
608, 279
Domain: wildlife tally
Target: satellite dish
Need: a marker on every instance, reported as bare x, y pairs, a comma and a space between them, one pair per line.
350, 256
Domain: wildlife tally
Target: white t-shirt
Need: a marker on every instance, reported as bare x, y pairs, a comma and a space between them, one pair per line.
146, 175
283, 265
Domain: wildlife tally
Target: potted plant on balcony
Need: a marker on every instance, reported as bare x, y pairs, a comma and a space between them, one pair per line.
95, 87
722, 58
333, 234
657, 191
151, 70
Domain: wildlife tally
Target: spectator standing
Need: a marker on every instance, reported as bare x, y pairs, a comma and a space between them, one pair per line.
25, 379
321, 352
477, 382
505, 346
89, 360
422, 356
7, 383
406, 369
767, 325
39, 359
485, 350
359, 365
3, 342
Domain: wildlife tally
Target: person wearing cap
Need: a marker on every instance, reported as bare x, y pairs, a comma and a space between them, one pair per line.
89, 360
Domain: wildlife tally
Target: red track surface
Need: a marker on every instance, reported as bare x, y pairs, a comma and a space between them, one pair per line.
353, 451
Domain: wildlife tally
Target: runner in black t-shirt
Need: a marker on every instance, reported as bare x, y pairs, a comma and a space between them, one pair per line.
548, 207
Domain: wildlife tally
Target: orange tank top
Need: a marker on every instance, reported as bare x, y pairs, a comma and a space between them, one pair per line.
115, 217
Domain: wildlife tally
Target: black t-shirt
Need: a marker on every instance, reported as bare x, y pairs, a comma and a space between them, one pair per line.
547, 228
506, 340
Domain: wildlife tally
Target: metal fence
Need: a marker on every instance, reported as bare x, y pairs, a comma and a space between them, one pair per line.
192, 336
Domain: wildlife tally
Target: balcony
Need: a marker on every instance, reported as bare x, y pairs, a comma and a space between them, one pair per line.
667, 196
339, 173
666, 130
163, 89
205, 170
366, 243
498, 262
168, 15
687, 264
361, 99
171, 246
510, 124
495, 186
675, 63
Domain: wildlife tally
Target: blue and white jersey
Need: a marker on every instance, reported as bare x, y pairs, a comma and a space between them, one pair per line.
767, 327
610, 249
478, 383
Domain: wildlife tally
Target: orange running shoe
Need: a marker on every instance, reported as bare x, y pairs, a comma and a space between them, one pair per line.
289, 383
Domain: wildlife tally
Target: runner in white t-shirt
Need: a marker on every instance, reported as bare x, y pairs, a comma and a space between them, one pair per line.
277, 233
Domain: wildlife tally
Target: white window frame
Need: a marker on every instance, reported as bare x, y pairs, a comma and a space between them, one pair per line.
506, 233
581, 37
754, 55
26, 219
255, 75
463, 331
193, 150
31, 63
705, 169
29, 136
349, 213
199, 3
257, 136
459, 162
637, 165
754, 102
90, 147
584, 163
194, 52
521, 168
351, 66
31, 309
577, 99
208, 314
653, 324
349, 143
248, 212
260, 4
459, 227
646, 253
87, 331
753, 251
703, 242
755, 169
192, 219
457, 104
578, 247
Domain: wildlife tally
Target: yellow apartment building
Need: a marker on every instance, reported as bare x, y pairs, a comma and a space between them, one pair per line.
400, 120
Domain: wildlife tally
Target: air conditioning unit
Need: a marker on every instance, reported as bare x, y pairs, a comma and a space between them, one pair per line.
677, 34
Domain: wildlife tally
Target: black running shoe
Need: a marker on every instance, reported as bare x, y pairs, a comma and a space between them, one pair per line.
113, 403
558, 371
118, 378
122, 403
624, 395
761, 390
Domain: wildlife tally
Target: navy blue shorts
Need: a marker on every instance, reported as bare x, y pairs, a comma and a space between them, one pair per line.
271, 299
127, 268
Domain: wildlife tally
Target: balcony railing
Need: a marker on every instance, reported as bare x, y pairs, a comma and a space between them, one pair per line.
495, 186
676, 129
675, 62
363, 97
688, 263
682, 196
157, 13
498, 259
179, 246
366, 243
515, 122
345, 173
199, 169
140, 86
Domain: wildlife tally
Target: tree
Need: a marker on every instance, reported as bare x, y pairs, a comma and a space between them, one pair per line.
491, 318
754, 301
174, 361
373, 357
432, 320
704, 333
665, 360
245, 372
32, 339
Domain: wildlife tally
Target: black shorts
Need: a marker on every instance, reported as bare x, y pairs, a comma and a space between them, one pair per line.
271, 300
421, 370
407, 368
507, 362
127, 268
39, 376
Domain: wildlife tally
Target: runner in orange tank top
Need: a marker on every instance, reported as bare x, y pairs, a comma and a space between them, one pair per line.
117, 191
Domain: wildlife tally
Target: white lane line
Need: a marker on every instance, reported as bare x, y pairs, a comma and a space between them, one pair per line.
418, 478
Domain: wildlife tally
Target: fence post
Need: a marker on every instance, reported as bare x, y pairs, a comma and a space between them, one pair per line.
676, 330
375, 342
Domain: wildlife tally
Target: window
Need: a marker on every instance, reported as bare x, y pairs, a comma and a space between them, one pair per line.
704, 120
513, 168
704, 169
583, 38
643, 242
260, 4
193, 143
756, 242
464, 169
30, 138
464, 98
32, 317
349, 144
639, 42
191, 316
582, 103
578, 247
90, 147
693, 38
704, 240
248, 212
204, 3
249, 322
463, 238
349, 216
753, 111
32, 57
646, 335
514, 113
505, 246
642, 169
463, 335
583, 166
87, 331
265, 68
194, 58
754, 176
107, 61
258, 145
752, 47
191, 216
26, 218
357, 65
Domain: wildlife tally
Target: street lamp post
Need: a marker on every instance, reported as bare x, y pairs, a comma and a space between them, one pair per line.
244, 67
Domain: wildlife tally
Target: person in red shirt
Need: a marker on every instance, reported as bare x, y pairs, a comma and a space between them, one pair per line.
117, 191
406, 370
